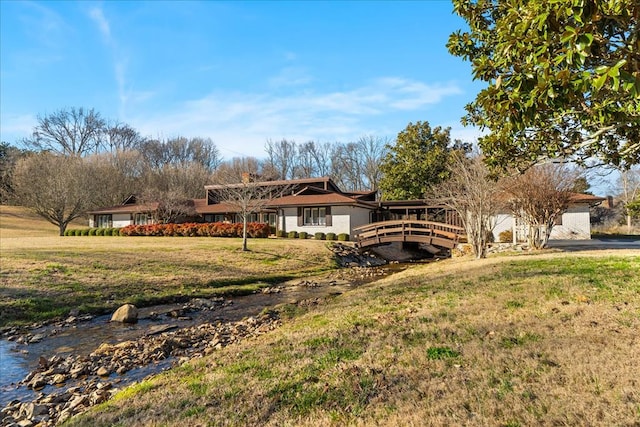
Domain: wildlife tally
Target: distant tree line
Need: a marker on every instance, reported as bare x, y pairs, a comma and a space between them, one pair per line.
75, 161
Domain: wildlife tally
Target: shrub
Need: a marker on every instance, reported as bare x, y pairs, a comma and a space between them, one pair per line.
331, 236
293, 235
100, 232
78, 232
319, 235
281, 233
303, 235
343, 237
84, 232
506, 236
92, 231
69, 232
191, 229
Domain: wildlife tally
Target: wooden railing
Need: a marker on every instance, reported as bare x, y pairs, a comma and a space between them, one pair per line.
428, 232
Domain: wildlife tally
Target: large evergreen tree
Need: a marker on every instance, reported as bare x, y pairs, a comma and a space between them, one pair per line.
417, 160
563, 79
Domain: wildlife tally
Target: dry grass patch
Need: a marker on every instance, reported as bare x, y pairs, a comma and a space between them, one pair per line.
43, 277
549, 340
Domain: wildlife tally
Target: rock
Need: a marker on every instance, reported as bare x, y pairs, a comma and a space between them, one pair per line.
127, 313
36, 338
58, 379
102, 372
77, 401
37, 382
158, 329
31, 410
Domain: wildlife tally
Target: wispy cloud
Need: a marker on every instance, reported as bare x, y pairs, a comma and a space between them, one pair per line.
290, 76
119, 59
103, 25
242, 122
13, 124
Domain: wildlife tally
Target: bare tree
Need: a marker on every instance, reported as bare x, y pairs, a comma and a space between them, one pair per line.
181, 151
471, 193
281, 156
628, 189
347, 167
120, 137
173, 189
322, 154
237, 185
371, 151
538, 197
305, 161
56, 187
118, 175
69, 132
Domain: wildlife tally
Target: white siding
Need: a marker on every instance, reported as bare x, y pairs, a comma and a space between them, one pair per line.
121, 220
118, 220
576, 224
343, 220
504, 222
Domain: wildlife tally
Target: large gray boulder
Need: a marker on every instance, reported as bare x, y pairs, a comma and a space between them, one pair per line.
127, 313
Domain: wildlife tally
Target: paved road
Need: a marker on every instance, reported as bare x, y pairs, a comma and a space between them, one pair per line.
594, 244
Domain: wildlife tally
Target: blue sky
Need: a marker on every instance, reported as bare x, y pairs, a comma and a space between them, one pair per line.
240, 73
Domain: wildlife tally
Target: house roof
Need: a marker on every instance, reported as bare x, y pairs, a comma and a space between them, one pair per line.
128, 208
586, 198
318, 200
325, 181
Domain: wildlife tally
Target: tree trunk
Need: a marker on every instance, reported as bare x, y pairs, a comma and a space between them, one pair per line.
62, 227
628, 224
244, 234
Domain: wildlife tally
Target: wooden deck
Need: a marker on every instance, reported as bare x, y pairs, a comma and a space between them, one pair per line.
428, 232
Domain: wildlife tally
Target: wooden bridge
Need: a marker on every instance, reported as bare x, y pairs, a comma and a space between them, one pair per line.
427, 232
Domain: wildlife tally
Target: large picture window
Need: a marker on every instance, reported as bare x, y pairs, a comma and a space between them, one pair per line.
104, 221
142, 219
315, 216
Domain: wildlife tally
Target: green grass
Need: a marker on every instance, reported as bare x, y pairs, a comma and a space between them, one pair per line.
46, 277
435, 345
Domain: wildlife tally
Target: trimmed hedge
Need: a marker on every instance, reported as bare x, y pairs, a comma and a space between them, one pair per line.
191, 229
343, 237
319, 235
292, 235
331, 236
281, 233
303, 235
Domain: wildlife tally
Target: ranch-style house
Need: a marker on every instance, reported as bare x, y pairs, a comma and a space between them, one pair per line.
319, 205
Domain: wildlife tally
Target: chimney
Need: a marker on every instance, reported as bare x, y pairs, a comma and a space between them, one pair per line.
609, 202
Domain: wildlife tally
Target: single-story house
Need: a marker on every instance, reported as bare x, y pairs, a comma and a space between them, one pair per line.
310, 205
128, 213
319, 205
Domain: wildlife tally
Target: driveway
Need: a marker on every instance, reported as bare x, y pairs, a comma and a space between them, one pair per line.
594, 244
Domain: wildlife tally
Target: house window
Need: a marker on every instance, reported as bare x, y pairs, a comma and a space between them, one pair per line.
271, 219
142, 219
104, 221
315, 216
